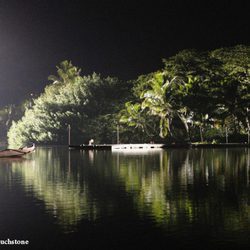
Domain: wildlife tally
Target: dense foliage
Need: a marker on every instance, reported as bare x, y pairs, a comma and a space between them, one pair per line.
8, 114
197, 96
88, 104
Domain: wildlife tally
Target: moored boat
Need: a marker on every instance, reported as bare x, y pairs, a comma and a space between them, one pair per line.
16, 152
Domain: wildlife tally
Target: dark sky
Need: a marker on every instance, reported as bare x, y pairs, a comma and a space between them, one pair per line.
117, 38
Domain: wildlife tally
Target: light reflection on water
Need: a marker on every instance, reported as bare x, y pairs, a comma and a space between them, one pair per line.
185, 193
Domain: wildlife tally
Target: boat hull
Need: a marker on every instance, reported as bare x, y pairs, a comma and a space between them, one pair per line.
8, 153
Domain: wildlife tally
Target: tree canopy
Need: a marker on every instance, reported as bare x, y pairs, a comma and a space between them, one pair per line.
87, 103
205, 92
196, 96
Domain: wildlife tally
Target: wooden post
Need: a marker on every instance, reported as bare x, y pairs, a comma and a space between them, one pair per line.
69, 162
248, 165
201, 134
248, 136
248, 127
69, 128
226, 135
117, 135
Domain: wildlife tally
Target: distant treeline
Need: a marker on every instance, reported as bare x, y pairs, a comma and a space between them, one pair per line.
196, 97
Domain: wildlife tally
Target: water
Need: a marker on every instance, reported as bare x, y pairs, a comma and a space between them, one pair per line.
183, 199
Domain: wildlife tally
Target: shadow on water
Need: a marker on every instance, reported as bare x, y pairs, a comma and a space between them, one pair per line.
98, 199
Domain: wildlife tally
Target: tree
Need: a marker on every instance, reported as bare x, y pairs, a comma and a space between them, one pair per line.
81, 101
194, 97
235, 85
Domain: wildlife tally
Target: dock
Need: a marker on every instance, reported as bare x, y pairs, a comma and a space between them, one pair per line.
91, 147
116, 146
149, 146
144, 146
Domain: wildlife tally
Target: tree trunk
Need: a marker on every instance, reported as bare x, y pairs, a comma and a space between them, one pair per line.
184, 121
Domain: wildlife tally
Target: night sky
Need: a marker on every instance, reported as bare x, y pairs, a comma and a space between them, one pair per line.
117, 38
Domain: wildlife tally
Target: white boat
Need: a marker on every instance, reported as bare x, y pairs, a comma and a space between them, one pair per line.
16, 152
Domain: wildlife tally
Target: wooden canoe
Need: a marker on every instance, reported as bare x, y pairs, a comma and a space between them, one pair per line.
16, 152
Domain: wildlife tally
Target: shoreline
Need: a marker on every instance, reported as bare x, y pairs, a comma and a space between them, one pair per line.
208, 145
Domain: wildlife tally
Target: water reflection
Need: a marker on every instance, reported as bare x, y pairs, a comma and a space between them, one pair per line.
207, 186
175, 189
53, 179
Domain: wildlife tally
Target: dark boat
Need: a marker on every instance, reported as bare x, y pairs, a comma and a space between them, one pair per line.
16, 152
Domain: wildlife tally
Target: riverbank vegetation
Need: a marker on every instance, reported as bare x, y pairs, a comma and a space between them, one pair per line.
195, 97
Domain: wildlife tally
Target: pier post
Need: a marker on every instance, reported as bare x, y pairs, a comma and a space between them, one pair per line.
248, 136
226, 135
117, 135
69, 128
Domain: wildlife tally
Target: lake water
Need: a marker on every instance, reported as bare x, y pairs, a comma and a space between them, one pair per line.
178, 199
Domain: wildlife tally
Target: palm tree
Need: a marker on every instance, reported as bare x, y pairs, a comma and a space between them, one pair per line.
134, 116
160, 101
66, 73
